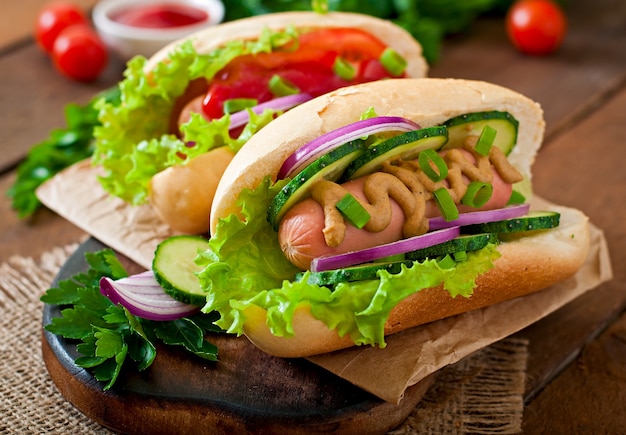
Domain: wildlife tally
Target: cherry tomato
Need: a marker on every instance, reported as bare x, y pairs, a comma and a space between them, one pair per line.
536, 27
79, 53
52, 19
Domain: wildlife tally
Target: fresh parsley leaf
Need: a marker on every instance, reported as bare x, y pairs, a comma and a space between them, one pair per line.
61, 149
108, 336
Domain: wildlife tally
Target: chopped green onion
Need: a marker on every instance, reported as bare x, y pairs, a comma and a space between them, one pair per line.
485, 141
429, 156
446, 262
368, 114
281, 87
393, 62
319, 6
238, 104
516, 198
343, 69
446, 204
477, 194
353, 211
459, 256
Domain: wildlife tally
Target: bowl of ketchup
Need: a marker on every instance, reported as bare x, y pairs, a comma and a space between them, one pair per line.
142, 27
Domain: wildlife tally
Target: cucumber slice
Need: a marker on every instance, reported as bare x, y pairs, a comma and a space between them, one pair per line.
175, 270
405, 146
356, 273
370, 270
462, 126
464, 243
535, 220
329, 167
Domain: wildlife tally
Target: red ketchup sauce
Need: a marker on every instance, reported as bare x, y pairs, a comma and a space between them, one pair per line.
160, 15
309, 68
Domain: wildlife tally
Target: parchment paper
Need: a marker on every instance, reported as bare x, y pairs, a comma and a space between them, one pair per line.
409, 357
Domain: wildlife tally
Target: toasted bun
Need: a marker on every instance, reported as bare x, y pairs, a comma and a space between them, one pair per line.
528, 263
250, 28
427, 101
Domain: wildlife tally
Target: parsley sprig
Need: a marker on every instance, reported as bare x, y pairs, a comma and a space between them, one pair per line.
108, 336
64, 147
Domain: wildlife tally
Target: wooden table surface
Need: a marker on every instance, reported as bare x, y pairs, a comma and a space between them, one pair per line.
576, 379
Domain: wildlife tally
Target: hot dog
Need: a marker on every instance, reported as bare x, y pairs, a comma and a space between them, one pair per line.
259, 292
219, 87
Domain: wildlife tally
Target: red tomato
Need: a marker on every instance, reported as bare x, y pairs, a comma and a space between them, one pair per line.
309, 68
79, 53
52, 19
536, 27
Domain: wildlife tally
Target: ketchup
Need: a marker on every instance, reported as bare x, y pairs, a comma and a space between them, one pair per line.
309, 68
160, 15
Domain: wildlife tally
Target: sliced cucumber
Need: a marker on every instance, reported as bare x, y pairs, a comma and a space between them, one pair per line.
464, 243
329, 167
355, 273
175, 270
405, 146
462, 126
535, 220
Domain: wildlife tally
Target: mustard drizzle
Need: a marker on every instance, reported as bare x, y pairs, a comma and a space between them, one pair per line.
407, 184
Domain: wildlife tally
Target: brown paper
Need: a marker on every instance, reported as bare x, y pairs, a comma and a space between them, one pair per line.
409, 356
76, 195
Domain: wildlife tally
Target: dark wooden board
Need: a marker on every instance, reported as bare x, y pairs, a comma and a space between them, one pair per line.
246, 391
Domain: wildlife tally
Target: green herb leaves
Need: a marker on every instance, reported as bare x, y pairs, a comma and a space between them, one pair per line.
61, 149
109, 337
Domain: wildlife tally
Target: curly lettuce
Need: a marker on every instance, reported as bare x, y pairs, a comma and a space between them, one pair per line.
133, 141
245, 267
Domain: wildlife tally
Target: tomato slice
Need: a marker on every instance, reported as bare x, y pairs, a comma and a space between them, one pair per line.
309, 67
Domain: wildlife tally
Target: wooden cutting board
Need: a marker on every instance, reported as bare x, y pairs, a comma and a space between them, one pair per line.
246, 391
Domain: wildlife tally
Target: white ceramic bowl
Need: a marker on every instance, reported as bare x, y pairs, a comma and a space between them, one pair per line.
128, 41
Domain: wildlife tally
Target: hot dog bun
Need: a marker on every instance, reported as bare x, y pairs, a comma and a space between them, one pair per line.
527, 264
189, 216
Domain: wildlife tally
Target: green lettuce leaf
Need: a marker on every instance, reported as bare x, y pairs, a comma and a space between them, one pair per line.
133, 142
245, 267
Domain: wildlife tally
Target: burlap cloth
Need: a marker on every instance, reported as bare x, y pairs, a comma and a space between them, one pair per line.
482, 394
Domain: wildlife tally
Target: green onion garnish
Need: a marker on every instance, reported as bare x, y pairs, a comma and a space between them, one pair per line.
368, 114
238, 104
477, 194
393, 62
353, 211
516, 198
281, 87
425, 159
343, 69
459, 256
319, 6
485, 141
446, 262
446, 204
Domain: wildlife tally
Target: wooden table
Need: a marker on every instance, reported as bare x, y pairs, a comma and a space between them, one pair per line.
577, 366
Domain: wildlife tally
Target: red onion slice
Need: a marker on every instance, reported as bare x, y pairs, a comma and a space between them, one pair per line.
480, 217
331, 140
242, 117
348, 259
143, 297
